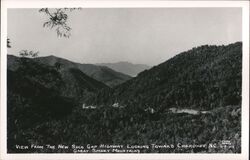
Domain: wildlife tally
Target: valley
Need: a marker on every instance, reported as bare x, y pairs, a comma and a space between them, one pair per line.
126, 67
193, 98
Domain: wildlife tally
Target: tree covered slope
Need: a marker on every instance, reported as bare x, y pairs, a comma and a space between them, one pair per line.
100, 73
205, 77
74, 83
45, 105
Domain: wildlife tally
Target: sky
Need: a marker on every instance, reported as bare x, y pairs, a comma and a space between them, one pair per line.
137, 35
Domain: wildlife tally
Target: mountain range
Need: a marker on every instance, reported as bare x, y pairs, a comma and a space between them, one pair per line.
100, 73
204, 77
126, 67
45, 98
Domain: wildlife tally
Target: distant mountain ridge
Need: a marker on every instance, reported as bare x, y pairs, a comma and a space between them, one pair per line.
126, 67
204, 77
73, 82
100, 73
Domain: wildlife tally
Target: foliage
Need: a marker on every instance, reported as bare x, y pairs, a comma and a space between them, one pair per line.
107, 125
58, 19
26, 53
41, 109
58, 65
101, 73
202, 78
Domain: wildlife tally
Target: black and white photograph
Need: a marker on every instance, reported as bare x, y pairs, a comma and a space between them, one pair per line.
124, 80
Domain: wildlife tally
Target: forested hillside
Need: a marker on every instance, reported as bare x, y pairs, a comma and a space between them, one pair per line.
203, 78
73, 82
37, 93
49, 104
100, 73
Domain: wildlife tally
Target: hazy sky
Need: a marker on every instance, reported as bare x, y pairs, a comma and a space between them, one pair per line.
147, 36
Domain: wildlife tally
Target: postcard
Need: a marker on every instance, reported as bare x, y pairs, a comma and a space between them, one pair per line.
124, 80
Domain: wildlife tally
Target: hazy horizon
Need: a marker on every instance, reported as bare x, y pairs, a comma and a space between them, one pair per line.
140, 36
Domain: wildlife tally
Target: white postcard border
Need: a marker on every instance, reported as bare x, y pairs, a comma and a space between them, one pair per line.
126, 4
